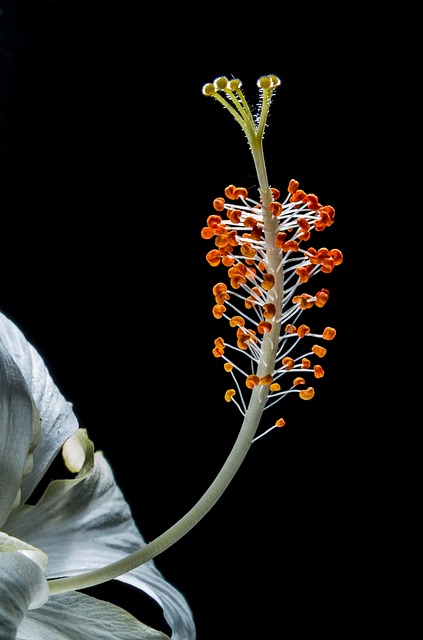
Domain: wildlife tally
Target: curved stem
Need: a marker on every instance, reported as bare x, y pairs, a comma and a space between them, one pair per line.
187, 522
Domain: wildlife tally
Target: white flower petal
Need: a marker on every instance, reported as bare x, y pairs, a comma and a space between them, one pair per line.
19, 428
84, 524
22, 585
58, 419
76, 616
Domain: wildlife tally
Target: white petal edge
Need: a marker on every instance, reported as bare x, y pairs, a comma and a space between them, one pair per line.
77, 616
84, 524
58, 419
22, 585
19, 432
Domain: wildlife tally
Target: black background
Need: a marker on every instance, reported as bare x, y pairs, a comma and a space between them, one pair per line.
110, 160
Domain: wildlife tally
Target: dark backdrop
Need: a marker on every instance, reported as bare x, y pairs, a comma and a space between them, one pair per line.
110, 159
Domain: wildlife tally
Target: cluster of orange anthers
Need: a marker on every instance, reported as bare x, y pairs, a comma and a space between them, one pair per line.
241, 241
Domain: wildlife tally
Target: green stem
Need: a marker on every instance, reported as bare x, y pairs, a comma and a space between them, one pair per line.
251, 419
187, 522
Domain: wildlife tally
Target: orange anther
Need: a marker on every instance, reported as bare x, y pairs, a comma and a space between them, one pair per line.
298, 196
218, 311
221, 240
329, 333
305, 363
288, 363
237, 269
218, 352
229, 394
303, 301
312, 201
207, 233
304, 224
268, 281
293, 186
237, 321
264, 327
275, 193
298, 381
303, 330
229, 191
228, 261
280, 422
252, 381
219, 204
267, 379
286, 245
337, 256
290, 328
237, 281
275, 386
275, 208
322, 297
234, 215
241, 192
307, 394
303, 273
228, 366
213, 257
319, 351
247, 250
269, 310
214, 221
318, 371
219, 287
220, 343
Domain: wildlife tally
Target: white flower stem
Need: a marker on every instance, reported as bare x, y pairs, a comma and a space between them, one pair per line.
187, 522
251, 419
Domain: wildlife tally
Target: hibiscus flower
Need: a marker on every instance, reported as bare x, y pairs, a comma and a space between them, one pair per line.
80, 524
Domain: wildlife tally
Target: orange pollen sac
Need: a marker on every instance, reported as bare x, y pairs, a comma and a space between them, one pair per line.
305, 363
322, 297
303, 273
228, 366
233, 193
219, 204
218, 311
268, 281
288, 363
275, 193
318, 371
252, 381
219, 288
237, 321
213, 257
303, 301
329, 333
282, 243
264, 327
207, 233
275, 386
267, 379
275, 208
307, 394
303, 330
229, 394
214, 221
290, 328
319, 351
247, 250
280, 422
336, 256
269, 310
298, 381
293, 186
